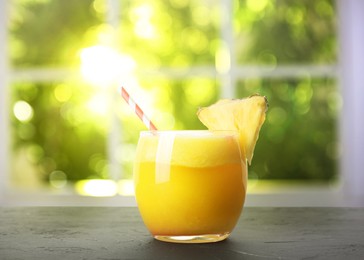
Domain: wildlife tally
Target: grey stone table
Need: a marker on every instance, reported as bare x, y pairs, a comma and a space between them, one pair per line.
118, 233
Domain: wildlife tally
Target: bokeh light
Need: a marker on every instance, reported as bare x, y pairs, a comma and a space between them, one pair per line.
23, 111
257, 5
200, 91
64, 124
277, 116
96, 188
58, 179
62, 93
142, 17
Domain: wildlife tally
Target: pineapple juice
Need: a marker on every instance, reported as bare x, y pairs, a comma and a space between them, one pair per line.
190, 186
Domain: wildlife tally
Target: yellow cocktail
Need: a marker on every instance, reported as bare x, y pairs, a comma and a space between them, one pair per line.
190, 186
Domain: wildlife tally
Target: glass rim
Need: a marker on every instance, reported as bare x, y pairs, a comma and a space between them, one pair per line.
188, 132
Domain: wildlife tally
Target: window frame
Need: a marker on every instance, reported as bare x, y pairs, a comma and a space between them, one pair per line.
351, 127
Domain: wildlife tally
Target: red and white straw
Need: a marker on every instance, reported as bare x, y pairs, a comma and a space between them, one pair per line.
137, 110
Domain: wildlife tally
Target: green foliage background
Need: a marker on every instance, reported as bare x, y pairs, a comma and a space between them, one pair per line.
298, 140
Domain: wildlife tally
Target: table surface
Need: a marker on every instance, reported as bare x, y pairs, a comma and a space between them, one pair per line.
119, 233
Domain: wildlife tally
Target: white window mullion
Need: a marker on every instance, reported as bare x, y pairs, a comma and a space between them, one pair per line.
114, 135
4, 103
238, 72
286, 71
225, 61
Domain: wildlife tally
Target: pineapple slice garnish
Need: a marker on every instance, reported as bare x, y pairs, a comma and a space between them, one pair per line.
245, 115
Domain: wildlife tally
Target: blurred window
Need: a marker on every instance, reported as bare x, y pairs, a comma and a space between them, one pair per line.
71, 133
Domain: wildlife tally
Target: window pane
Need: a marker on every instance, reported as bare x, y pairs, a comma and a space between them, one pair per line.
170, 33
272, 32
59, 134
51, 32
299, 137
175, 102
61, 130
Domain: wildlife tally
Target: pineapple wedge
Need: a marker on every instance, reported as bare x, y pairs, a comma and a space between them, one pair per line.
245, 115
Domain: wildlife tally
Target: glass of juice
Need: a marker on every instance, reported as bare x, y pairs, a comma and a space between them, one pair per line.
190, 186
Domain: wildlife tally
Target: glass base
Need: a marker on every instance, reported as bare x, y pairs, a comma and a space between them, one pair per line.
208, 238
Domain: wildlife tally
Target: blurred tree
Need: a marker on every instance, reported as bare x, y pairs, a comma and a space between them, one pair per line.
303, 113
281, 32
50, 33
61, 136
64, 135
300, 129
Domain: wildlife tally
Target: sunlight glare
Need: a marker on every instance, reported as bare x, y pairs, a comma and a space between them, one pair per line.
96, 188
222, 59
102, 65
126, 188
99, 104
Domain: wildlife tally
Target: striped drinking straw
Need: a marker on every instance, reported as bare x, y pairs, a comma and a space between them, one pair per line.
137, 110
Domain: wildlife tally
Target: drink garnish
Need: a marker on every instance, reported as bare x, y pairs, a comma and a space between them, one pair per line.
245, 115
